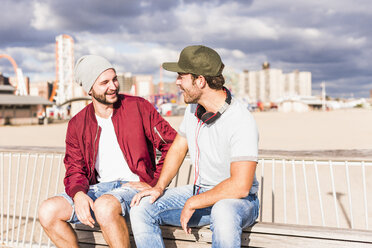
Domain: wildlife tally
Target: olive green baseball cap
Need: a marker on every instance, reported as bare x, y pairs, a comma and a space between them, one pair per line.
198, 60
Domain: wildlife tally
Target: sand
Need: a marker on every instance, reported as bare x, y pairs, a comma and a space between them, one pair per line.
342, 129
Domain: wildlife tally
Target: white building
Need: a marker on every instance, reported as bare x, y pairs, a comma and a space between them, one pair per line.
144, 86
271, 85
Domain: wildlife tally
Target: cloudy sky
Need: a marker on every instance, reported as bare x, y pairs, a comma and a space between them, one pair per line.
331, 39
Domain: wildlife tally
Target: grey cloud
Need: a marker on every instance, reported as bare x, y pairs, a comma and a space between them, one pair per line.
330, 39
98, 16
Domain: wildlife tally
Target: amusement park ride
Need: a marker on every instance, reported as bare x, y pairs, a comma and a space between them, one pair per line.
20, 83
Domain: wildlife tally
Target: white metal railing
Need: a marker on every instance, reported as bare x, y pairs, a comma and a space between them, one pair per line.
321, 193
293, 191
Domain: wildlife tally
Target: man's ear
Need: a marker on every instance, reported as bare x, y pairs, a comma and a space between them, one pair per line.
201, 81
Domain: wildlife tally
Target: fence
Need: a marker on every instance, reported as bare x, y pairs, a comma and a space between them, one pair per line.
328, 193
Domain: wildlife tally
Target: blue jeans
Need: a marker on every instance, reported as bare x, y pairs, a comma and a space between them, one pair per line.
123, 194
227, 217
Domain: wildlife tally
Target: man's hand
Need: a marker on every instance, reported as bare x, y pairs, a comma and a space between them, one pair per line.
186, 214
83, 204
140, 186
155, 193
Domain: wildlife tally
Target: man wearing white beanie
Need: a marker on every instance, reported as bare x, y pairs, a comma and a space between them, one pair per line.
110, 156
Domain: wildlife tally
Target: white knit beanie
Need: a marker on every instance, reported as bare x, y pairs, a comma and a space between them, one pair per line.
88, 68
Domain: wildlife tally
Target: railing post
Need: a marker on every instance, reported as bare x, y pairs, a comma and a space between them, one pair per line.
365, 194
8, 209
15, 197
295, 189
22, 199
273, 191
2, 196
262, 188
30, 200
334, 193
319, 192
307, 193
284, 192
38, 198
349, 194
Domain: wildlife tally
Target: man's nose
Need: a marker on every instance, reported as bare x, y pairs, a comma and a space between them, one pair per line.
112, 85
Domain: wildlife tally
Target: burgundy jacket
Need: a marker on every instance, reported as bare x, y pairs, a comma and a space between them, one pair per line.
140, 130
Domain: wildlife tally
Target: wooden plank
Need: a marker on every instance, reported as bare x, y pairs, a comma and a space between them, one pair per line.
260, 235
311, 232
94, 235
274, 241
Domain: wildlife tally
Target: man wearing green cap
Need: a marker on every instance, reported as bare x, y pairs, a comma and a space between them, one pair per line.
222, 139
110, 156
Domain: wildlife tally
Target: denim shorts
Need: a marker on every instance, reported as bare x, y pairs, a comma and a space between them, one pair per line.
123, 194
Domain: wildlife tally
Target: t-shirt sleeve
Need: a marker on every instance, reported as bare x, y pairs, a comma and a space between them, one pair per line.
244, 140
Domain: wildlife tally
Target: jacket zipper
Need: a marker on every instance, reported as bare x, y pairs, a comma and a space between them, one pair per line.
157, 132
94, 151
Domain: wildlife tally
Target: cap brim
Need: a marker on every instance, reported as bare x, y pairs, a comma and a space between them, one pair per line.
171, 66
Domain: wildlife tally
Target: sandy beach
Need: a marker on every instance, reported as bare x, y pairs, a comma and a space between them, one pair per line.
331, 130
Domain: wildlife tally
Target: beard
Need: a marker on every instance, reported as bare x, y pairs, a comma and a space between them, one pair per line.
188, 97
102, 98
191, 95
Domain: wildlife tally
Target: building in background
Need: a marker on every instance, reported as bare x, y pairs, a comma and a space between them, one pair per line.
63, 89
20, 109
42, 89
272, 85
126, 83
143, 86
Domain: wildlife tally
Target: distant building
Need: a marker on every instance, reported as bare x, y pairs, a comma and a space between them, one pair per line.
18, 110
42, 89
143, 86
4, 81
272, 85
64, 88
126, 82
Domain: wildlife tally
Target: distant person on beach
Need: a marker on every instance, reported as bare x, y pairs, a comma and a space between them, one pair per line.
221, 137
110, 156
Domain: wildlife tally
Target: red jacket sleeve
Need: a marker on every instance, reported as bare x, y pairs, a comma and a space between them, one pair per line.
76, 177
160, 132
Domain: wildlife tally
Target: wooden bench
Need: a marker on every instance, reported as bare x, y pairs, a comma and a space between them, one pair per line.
259, 235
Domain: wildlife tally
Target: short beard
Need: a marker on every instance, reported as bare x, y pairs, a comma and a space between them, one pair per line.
102, 98
192, 96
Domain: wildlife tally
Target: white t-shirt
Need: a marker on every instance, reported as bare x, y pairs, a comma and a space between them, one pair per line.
232, 137
110, 162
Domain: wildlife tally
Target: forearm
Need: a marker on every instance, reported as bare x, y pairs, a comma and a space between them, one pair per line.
225, 190
235, 187
172, 162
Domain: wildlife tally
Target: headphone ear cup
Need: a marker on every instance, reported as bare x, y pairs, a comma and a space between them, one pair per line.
206, 116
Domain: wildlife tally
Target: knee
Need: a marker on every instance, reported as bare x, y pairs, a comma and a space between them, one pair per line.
225, 224
48, 212
224, 216
138, 213
106, 209
141, 217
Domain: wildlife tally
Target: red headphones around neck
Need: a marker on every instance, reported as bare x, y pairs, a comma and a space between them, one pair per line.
210, 117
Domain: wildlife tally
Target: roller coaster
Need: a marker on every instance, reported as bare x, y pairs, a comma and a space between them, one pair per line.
20, 83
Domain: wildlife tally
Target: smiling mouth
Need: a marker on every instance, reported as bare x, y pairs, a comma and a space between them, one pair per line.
113, 93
